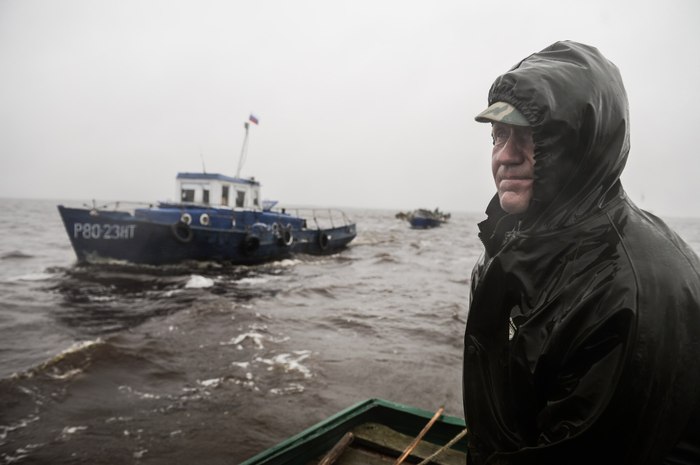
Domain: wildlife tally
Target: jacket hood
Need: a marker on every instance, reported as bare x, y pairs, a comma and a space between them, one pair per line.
577, 106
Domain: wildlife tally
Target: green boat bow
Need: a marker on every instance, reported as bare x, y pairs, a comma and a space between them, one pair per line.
380, 430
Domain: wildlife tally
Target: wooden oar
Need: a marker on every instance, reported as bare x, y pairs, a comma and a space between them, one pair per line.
337, 450
418, 438
445, 447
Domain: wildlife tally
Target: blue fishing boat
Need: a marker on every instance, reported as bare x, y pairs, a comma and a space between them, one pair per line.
218, 218
423, 218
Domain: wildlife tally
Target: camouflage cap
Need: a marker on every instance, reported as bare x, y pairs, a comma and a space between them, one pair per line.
502, 112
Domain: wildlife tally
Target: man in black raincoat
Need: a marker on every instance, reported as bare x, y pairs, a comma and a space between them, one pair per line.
582, 342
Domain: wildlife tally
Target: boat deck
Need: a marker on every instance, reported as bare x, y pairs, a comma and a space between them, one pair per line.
376, 444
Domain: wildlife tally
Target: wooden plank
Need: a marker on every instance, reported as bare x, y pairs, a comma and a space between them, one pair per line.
353, 456
382, 438
337, 450
419, 438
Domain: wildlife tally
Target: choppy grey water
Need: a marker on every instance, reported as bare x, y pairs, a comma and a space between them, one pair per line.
211, 364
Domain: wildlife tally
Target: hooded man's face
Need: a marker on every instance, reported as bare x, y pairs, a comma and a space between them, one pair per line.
513, 166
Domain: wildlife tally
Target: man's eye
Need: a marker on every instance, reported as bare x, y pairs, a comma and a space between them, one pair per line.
499, 136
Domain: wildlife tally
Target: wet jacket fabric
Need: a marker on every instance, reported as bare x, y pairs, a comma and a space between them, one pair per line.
582, 342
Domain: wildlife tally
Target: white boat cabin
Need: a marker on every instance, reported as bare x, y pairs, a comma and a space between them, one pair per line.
218, 190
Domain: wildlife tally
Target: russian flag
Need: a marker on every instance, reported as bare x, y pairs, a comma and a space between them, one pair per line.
253, 119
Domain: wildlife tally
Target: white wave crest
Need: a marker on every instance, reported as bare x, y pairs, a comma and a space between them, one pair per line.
72, 430
289, 362
4, 429
214, 382
31, 277
198, 282
257, 339
253, 281
288, 389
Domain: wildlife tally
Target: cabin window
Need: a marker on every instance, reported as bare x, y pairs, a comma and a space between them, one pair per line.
205, 195
224, 195
240, 198
256, 200
187, 195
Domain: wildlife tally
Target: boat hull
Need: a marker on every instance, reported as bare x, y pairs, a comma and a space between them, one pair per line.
395, 426
424, 223
424, 219
158, 238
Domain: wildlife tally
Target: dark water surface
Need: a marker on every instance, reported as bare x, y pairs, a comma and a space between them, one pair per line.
209, 364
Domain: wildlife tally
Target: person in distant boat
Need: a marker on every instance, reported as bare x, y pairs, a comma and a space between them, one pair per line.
582, 342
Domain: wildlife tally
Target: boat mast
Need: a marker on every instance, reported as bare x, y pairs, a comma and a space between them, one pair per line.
244, 150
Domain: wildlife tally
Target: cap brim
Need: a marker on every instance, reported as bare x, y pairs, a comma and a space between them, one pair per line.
502, 112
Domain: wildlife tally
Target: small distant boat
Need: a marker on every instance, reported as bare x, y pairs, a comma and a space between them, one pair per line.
374, 432
424, 218
218, 218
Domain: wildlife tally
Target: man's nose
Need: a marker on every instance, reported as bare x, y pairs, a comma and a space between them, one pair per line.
510, 154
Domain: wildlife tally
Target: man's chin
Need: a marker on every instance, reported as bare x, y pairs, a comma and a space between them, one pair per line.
514, 203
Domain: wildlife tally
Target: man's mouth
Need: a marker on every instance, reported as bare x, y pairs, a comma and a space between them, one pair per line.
514, 182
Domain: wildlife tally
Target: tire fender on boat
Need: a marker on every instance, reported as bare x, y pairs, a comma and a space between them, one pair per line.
186, 218
182, 231
286, 236
204, 219
251, 243
323, 239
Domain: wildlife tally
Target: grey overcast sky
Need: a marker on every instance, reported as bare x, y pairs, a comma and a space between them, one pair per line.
362, 103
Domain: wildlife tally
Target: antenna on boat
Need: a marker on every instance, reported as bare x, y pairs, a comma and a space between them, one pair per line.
244, 150
201, 155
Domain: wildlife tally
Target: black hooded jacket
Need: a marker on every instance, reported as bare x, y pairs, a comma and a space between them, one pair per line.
582, 342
